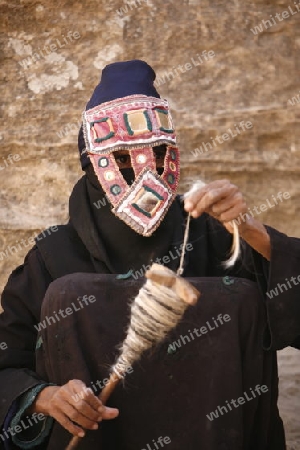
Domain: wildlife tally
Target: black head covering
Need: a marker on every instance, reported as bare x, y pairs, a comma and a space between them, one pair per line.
124, 248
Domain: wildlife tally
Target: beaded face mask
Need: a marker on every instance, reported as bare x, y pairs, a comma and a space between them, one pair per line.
135, 123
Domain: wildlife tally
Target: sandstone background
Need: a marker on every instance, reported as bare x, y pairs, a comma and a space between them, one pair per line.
251, 78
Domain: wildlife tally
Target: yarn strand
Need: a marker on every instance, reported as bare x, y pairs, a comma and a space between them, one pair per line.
236, 246
185, 239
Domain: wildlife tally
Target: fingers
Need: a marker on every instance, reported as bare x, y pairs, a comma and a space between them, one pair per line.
209, 196
79, 418
109, 413
221, 207
75, 406
68, 425
83, 398
192, 199
92, 401
220, 199
229, 209
92, 407
230, 215
197, 195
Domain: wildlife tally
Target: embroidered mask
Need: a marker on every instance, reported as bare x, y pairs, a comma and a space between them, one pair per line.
136, 123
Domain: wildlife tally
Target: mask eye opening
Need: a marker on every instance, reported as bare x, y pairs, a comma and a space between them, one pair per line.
160, 155
122, 158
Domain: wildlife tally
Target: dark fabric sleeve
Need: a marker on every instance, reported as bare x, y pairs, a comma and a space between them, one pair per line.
36, 433
280, 283
278, 280
21, 303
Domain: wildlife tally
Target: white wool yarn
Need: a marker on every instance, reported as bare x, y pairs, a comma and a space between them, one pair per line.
236, 246
154, 312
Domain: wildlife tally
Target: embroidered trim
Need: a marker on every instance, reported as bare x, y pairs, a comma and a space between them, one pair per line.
115, 187
148, 120
172, 168
122, 135
130, 131
147, 188
148, 154
93, 130
126, 146
166, 113
141, 210
108, 136
133, 214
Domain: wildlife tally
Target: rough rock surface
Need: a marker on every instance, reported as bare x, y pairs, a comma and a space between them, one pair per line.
52, 54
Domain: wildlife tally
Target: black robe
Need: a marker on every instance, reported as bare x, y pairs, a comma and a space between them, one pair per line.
78, 248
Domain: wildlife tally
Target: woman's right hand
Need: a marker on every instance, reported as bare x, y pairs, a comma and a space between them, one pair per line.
73, 402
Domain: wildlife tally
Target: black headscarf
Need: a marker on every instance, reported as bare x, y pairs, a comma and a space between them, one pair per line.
125, 249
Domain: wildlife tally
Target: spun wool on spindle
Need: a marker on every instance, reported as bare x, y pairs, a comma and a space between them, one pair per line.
158, 307
154, 312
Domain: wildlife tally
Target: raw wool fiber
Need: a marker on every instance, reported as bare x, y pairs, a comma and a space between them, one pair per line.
236, 248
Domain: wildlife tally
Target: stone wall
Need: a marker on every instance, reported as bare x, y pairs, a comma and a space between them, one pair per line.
215, 71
